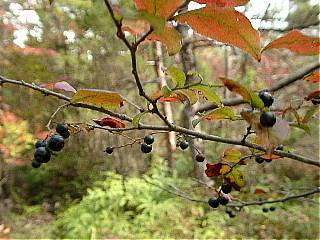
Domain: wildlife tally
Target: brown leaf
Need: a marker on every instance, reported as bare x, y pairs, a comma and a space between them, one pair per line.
312, 95
314, 77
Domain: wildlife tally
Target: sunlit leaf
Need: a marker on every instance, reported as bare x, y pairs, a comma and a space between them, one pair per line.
163, 8
109, 122
232, 155
225, 169
223, 3
225, 25
99, 98
177, 75
170, 37
297, 42
247, 95
209, 92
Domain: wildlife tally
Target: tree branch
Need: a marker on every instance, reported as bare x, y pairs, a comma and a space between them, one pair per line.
141, 126
184, 195
279, 85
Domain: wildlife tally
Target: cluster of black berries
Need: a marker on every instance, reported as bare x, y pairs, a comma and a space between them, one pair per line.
267, 119
55, 143
271, 209
183, 144
222, 199
146, 146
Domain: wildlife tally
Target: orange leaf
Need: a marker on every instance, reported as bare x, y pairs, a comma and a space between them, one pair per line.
314, 77
170, 37
223, 3
297, 42
225, 25
270, 157
161, 8
110, 122
235, 87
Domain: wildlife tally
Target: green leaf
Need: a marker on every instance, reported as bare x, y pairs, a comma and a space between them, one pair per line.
166, 91
157, 23
100, 98
189, 94
256, 101
209, 92
311, 111
177, 75
232, 155
235, 177
223, 113
136, 119
302, 126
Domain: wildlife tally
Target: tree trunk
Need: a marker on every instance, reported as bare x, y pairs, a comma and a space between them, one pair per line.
188, 61
170, 136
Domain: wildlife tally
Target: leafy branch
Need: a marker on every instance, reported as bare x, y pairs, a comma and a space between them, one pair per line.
141, 126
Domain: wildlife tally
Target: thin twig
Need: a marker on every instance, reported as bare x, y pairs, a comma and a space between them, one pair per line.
54, 114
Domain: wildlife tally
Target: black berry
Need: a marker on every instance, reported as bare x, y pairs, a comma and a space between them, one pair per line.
42, 155
272, 208
35, 164
259, 159
109, 150
213, 202
223, 200
265, 210
226, 188
184, 145
280, 147
41, 143
267, 119
266, 98
145, 148
62, 129
148, 139
56, 143
200, 157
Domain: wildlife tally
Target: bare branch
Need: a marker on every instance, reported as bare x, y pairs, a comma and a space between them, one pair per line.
180, 193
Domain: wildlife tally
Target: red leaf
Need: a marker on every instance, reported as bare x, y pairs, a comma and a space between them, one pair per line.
312, 95
213, 170
314, 77
110, 122
223, 3
297, 42
59, 85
